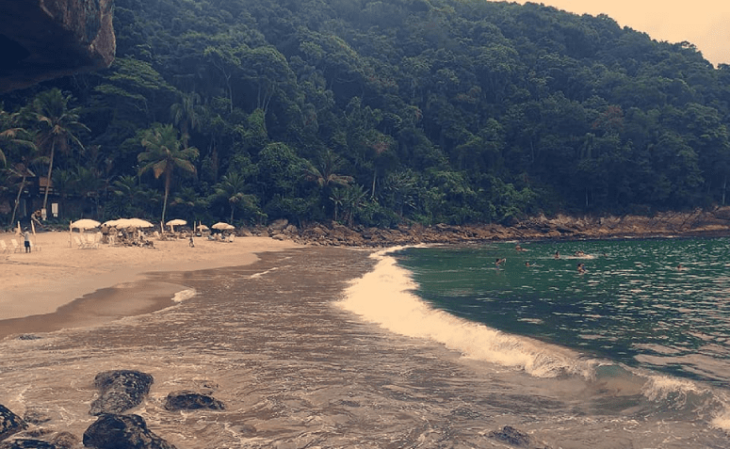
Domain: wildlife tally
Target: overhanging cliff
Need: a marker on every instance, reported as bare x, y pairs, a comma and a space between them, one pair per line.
43, 39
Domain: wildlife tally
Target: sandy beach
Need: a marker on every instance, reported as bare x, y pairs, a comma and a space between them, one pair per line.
37, 289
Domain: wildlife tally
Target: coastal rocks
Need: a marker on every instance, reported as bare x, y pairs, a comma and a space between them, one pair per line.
29, 444
122, 432
120, 391
10, 423
188, 400
514, 437
561, 227
44, 39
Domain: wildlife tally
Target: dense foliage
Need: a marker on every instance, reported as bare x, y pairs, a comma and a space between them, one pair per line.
378, 112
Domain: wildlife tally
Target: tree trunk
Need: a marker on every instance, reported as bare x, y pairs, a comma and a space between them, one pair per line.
48, 178
17, 200
167, 192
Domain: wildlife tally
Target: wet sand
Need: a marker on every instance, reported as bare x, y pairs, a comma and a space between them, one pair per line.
36, 288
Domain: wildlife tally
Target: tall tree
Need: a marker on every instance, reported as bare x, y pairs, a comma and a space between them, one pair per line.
185, 116
58, 127
164, 155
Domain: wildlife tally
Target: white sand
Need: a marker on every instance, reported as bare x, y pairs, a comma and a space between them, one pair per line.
56, 273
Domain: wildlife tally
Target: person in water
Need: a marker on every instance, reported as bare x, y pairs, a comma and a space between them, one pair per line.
557, 254
680, 267
581, 268
527, 264
580, 253
500, 262
519, 248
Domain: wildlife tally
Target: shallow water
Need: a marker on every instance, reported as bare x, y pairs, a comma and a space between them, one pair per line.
278, 343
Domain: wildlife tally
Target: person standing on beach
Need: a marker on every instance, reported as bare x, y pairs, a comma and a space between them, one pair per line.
26, 236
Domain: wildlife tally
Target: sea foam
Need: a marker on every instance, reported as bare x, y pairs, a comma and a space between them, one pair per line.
385, 296
184, 295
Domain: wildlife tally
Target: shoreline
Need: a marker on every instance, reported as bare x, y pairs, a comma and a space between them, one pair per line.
54, 287
57, 283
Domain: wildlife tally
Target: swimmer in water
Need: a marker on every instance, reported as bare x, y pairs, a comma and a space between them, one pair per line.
581, 268
500, 262
557, 254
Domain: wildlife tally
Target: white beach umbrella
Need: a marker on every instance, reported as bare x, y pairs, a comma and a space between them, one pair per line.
176, 222
223, 226
111, 223
137, 223
84, 224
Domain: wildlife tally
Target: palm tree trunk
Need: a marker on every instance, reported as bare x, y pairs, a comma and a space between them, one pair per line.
167, 192
233, 209
48, 178
17, 200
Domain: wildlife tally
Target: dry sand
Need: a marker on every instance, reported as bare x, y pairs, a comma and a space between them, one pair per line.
58, 279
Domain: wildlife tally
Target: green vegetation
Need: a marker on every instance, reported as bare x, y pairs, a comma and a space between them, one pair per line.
374, 113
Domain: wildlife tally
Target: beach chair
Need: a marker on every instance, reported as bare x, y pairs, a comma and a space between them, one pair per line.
16, 247
80, 244
92, 241
3, 247
34, 247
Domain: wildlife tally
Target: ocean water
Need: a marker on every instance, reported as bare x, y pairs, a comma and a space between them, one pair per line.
341, 348
643, 335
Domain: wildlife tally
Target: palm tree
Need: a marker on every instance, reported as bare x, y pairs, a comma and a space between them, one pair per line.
184, 115
58, 127
232, 187
164, 155
324, 172
21, 171
12, 136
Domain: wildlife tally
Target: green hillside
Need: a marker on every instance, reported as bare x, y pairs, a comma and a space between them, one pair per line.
375, 113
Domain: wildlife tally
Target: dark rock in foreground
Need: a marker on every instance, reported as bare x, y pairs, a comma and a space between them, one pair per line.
43, 39
10, 423
28, 444
514, 437
120, 391
188, 400
122, 432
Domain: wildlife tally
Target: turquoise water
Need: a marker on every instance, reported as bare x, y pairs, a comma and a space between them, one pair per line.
633, 305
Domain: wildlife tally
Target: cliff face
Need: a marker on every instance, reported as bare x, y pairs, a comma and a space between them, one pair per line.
43, 39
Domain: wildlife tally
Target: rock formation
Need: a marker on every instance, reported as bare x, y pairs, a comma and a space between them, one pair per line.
10, 423
189, 400
122, 432
120, 391
43, 39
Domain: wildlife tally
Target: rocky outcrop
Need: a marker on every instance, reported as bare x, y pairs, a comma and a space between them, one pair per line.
120, 391
697, 223
189, 400
10, 423
122, 432
43, 39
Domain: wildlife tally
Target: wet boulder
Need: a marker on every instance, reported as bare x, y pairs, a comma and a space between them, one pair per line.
188, 400
120, 391
514, 437
10, 423
122, 432
28, 444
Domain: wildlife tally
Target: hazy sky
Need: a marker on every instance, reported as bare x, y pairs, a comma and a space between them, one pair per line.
705, 23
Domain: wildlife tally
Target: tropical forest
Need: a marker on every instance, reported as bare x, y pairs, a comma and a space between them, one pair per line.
369, 113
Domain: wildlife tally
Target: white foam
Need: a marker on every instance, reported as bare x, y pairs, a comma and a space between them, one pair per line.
184, 295
384, 296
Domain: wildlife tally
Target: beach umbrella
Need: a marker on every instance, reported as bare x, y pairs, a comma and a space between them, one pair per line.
111, 223
176, 222
85, 223
223, 226
133, 223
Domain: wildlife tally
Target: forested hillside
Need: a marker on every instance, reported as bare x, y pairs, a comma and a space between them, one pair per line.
374, 113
